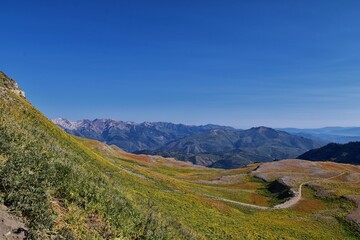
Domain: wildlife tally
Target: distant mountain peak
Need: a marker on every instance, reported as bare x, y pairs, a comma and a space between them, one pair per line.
266, 131
101, 119
64, 122
10, 84
262, 129
148, 124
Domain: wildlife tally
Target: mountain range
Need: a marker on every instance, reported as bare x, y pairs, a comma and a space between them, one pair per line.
132, 136
207, 145
327, 134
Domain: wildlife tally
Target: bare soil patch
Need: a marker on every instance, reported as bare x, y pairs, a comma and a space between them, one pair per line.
11, 227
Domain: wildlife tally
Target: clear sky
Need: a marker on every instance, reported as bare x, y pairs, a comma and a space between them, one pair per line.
234, 62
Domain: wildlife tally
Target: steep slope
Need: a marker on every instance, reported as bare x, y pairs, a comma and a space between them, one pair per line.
236, 148
131, 136
342, 153
62, 188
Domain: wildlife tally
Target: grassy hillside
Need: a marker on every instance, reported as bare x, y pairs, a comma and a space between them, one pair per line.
192, 194
62, 187
74, 188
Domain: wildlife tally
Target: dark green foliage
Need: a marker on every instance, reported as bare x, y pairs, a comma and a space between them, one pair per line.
24, 183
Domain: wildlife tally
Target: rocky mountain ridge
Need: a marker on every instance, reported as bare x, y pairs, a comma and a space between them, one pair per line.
131, 136
207, 145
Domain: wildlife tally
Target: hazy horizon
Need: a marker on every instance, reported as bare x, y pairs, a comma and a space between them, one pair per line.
198, 124
242, 64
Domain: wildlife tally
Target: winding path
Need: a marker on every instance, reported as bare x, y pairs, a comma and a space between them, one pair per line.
289, 203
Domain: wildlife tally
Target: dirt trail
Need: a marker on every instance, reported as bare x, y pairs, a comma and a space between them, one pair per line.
11, 227
292, 201
289, 203
244, 204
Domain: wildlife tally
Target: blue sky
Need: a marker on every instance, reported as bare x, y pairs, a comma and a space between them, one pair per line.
239, 63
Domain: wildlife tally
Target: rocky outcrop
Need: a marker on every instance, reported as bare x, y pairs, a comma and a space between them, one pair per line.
10, 84
355, 215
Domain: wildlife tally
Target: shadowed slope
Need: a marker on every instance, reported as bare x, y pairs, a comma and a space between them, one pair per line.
342, 153
60, 186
